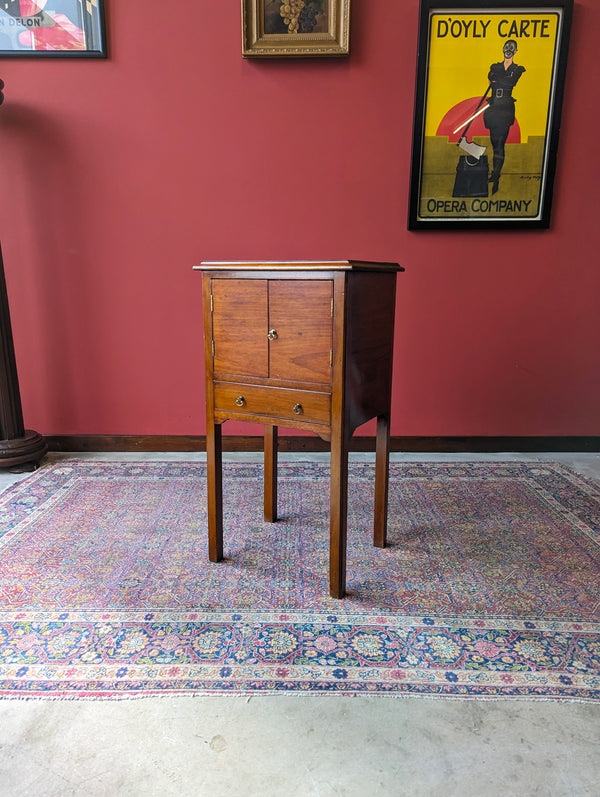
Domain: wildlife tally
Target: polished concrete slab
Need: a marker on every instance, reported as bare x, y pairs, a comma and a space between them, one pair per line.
302, 745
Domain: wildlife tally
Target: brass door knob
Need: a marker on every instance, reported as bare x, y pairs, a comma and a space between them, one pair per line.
297, 409
240, 401
272, 334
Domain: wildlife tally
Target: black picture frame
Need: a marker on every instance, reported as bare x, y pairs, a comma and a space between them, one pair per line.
468, 90
69, 29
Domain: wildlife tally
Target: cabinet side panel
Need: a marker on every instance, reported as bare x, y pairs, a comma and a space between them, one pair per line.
208, 358
371, 303
239, 321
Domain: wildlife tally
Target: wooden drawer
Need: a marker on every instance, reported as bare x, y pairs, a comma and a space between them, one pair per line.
271, 402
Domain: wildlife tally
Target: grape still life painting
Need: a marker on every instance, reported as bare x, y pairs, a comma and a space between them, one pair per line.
278, 28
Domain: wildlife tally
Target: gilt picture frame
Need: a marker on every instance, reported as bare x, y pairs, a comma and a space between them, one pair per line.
62, 28
295, 28
488, 102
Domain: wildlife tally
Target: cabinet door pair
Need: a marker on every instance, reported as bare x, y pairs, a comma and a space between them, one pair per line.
273, 329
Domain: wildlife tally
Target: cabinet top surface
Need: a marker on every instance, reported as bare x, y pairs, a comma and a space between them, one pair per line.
296, 265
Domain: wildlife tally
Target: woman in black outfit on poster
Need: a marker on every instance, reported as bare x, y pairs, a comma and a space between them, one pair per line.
500, 113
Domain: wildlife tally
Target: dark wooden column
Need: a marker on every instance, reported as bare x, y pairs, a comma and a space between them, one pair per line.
18, 446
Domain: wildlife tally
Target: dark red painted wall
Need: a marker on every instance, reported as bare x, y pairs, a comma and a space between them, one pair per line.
118, 176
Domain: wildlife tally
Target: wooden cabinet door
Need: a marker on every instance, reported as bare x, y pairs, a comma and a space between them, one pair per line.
240, 327
300, 313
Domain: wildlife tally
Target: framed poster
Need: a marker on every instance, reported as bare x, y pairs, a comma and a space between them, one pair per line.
37, 28
275, 28
490, 80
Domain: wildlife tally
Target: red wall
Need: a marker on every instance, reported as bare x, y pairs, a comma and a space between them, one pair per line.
119, 175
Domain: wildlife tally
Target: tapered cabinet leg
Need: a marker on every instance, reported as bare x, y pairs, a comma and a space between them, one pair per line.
382, 467
338, 516
271, 473
214, 473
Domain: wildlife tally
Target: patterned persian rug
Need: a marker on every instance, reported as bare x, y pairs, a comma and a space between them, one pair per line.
489, 587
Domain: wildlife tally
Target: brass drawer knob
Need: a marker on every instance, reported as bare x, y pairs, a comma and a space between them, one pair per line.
297, 409
240, 401
272, 334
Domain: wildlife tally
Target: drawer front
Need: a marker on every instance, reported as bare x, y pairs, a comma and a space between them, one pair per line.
272, 402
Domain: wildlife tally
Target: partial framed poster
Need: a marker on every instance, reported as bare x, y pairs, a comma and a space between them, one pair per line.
34, 28
490, 79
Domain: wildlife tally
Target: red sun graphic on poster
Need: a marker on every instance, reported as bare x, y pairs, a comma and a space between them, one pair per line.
456, 119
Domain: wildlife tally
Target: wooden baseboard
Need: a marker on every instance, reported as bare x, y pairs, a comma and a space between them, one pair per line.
184, 443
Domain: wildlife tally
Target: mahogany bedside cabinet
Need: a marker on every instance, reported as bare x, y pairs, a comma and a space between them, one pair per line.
305, 345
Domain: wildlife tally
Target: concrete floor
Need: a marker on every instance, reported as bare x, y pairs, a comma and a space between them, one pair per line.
303, 745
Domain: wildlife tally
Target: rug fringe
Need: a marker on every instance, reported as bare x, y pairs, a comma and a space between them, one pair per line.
249, 696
